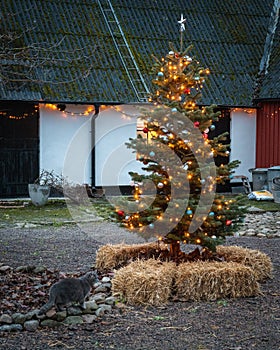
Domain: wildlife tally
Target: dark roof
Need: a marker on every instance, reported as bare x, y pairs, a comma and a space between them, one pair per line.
67, 53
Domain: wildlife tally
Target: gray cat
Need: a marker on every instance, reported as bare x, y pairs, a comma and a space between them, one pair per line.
70, 290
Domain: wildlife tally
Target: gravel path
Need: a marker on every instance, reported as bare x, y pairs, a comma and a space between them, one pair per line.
235, 324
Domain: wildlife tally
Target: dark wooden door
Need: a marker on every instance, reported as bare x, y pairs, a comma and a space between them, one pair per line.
222, 126
19, 148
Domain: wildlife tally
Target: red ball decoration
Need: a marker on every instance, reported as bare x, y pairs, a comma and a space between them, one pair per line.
228, 222
196, 124
120, 212
145, 130
187, 91
205, 136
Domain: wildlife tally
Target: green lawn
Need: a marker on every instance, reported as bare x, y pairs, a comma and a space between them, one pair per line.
55, 212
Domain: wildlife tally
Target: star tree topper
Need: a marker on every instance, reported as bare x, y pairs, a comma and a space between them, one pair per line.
182, 22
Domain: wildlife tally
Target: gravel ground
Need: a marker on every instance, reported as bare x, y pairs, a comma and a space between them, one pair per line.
235, 324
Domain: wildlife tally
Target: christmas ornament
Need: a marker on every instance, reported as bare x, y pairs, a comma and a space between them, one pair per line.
187, 91
212, 127
189, 212
196, 124
120, 212
174, 110
151, 225
211, 213
160, 74
145, 130
160, 185
152, 154
228, 222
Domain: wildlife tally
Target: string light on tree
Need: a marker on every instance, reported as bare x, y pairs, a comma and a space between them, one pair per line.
179, 80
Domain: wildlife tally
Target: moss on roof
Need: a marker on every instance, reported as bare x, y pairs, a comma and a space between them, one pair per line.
62, 50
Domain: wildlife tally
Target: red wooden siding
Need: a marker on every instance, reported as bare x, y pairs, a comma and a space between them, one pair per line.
268, 135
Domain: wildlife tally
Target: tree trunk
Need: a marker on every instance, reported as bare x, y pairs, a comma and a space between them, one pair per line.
175, 250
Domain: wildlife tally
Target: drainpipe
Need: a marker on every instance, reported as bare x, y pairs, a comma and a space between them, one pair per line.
96, 106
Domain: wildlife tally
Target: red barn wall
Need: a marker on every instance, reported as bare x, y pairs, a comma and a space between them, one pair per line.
268, 135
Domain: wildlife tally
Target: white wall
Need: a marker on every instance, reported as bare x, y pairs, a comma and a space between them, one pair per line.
113, 128
243, 140
58, 138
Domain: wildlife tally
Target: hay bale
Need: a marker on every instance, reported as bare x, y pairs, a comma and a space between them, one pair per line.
214, 280
144, 282
259, 262
110, 256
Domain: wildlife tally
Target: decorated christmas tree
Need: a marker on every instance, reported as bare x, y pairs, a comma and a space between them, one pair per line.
175, 197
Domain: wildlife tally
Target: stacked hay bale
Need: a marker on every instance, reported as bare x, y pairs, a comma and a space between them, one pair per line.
145, 282
111, 256
214, 280
259, 262
153, 282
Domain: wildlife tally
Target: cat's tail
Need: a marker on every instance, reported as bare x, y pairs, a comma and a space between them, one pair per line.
47, 306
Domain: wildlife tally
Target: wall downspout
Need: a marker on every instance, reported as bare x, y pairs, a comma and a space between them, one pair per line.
93, 158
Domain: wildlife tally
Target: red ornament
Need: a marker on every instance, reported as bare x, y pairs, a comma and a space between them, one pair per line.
228, 222
120, 212
145, 130
187, 91
205, 136
196, 124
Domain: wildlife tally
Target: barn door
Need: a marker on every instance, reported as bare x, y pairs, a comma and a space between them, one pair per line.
221, 126
19, 148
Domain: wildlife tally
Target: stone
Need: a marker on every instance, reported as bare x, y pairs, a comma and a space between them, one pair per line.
31, 325
50, 313
89, 318
19, 318
73, 320
110, 300
101, 289
74, 311
106, 279
250, 232
39, 269
61, 315
90, 306
99, 298
32, 314
261, 235
4, 268
6, 319
50, 323
11, 328
103, 308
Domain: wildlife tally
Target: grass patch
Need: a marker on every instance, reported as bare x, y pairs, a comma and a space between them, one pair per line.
55, 212
264, 205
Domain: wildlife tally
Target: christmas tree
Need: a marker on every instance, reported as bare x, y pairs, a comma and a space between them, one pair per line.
175, 198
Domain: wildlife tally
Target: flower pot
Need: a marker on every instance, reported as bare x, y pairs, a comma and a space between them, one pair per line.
39, 194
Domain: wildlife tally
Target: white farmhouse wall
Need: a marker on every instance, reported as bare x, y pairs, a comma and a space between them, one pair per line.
58, 133
243, 140
113, 160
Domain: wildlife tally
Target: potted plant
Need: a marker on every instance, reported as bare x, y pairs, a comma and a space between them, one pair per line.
39, 191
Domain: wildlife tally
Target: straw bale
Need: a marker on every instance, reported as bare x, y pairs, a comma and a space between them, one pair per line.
259, 262
110, 256
214, 280
144, 282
